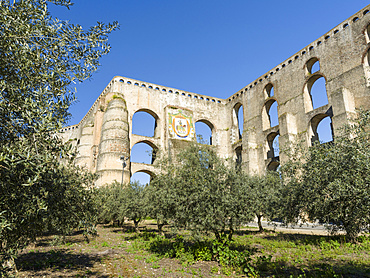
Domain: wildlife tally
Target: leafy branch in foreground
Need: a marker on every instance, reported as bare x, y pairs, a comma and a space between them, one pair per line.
41, 57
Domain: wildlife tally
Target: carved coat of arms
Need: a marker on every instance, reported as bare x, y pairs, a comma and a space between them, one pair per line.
180, 126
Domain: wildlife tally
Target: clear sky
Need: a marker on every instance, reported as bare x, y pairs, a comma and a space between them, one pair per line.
211, 47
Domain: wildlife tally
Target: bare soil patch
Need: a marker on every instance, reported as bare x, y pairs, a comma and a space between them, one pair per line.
107, 255
119, 252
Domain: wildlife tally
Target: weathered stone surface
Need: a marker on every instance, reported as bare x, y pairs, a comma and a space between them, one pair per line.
104, 134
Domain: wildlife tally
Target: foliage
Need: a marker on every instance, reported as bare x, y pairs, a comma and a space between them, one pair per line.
119, 201
204, 195
161, 203
264, 194
134, 204
109, 199
38, 194
40, 58
331, 182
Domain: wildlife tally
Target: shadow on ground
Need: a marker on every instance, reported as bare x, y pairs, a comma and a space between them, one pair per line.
323, 270
55, 260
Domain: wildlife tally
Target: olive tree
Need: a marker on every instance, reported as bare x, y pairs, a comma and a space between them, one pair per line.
264, 195
118, 202
161, 202
41, 58
331, 182
134, 206
204, 194
109, 199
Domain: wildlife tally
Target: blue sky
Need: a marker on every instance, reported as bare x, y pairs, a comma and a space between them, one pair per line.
211, 47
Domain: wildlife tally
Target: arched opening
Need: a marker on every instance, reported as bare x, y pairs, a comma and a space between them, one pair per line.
203, 131
142, 177
273, 145
238, 119
321, 129
368, 33
318, 93
238, 155
241, 121
145, 123
269, 90
270, 114
143, 152
313, 65
315, 93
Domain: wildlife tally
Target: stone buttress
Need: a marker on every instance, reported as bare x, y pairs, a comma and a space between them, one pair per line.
114, 142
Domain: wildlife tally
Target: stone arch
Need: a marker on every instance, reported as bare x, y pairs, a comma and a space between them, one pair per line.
272, 149
366, 63
313, 134
137, 156
143, 176
314, 92
270, 114
238, 118
312, 66
366, 58
269, 90
209, 133
367, 33
150, 125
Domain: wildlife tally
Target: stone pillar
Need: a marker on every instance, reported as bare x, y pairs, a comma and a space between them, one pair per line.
84, 145
343, 105
114, 143
288, 134
250, 150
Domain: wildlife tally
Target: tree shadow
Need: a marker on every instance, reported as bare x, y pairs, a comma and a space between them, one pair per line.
329, 268
45, 242
300, 239
54, 260
253, 232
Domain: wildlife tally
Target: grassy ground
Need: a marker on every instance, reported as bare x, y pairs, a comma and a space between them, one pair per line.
119, 252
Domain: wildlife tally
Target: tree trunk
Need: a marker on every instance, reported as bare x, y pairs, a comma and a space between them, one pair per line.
217, 235
136, 224
259, 217
160, 228
230, 236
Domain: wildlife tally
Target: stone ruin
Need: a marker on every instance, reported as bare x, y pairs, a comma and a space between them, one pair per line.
341, 57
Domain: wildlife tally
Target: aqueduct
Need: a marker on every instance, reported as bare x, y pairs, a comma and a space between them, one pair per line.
339, 61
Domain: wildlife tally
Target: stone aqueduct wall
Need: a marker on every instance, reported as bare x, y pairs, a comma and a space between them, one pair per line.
105, 132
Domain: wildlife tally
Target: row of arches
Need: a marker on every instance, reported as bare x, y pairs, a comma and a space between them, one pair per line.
308, 48
320, 130
145, 123
315, 94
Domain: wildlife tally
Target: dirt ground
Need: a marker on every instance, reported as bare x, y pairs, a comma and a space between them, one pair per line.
107, 255
111, 254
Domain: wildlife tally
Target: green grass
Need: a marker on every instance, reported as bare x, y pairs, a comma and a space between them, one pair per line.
268, 254
251, 254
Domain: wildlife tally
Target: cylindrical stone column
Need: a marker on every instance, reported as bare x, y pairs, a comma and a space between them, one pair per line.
114, 143
84, 145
